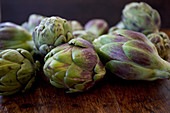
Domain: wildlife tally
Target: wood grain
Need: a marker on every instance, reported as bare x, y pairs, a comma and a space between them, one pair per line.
111, 95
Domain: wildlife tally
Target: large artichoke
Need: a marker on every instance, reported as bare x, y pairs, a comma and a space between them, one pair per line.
17, 71
130, 55
13, 36
96, 26
161, 42
50, 33
141, 17
75, 66
33, 21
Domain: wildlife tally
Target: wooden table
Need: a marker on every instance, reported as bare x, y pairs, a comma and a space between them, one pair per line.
111, 95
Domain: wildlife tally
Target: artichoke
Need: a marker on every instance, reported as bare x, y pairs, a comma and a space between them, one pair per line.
130, 55
50, 33
161, 42
74, 66
13, 36
33, 21
84, 35
76, 26
18, 71
141, 17
96, 26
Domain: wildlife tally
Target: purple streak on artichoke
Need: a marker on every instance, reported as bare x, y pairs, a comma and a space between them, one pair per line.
141, 17
76, 26
96, 26
74, 66
33, 21
13, 36
133, 57
50, 33
162, 43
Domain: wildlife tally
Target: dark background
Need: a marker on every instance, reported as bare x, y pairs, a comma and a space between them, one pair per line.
18, 11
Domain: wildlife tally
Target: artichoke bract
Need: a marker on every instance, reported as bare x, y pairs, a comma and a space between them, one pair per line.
74, 66
141, 17
13, 36
33, 21
130, 55
76, 26
18, 71
51, 32
96, 26
161, 42
84, 35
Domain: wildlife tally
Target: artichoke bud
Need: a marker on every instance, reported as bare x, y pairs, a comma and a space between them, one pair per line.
51, 32
74, 66
130, 55
96, 26
33, 21
76, 26
13, 36
161, 42
141, 17
18, 71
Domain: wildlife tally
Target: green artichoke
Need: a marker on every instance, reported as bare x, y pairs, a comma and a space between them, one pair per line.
130, 55
18, 71
33, 21
50, 33
76, 26
141, 17
84, 35
96, 26
74, 66
13, 36
161, 42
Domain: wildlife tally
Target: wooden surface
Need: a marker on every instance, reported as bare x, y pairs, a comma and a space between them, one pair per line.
111, 95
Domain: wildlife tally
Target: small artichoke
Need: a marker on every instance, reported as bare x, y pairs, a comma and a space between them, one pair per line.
33, 21
96, 26
161, 42
141, 17
84, 35
76, 26
130, 55
18, 71
13, 36
50, 33
74, 66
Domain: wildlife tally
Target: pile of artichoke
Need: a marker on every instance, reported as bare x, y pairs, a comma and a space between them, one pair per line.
75, 57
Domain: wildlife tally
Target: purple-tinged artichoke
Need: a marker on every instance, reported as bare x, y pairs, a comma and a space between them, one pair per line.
96, 26
141, 17
74, 66
161, 42
13, 36
33, 21
51, 32
76, 26
130, 55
